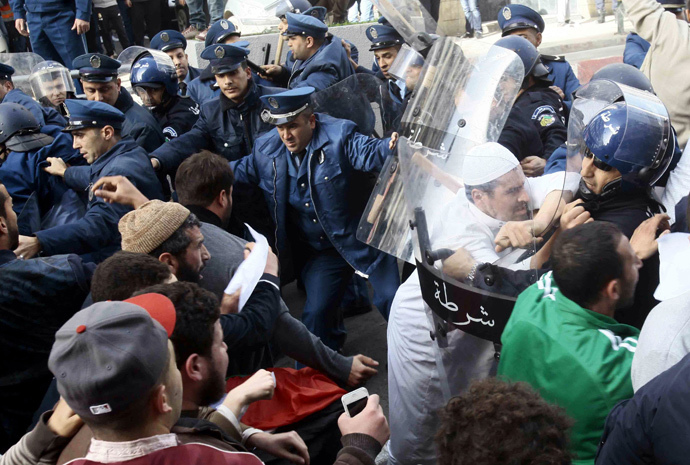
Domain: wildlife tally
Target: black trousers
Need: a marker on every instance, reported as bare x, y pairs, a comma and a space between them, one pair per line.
109, 19
146, 19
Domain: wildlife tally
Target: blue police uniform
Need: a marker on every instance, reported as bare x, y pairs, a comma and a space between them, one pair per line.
516, 17
24, 178
169, 40
228, 129
636, 49
385, 36
311, 204
50, 23
44, 115
139, 123
326, 67
96, 233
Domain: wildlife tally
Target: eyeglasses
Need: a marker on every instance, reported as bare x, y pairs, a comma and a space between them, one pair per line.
596, 162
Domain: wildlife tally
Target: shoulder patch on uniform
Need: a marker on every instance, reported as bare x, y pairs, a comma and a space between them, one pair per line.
542, 109
560, 58
195, 109
546, 120
170, 131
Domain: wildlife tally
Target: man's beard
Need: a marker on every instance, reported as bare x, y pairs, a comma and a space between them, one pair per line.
213, 390
187, 274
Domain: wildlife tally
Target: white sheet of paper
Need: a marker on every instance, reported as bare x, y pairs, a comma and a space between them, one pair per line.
674, 256
249, 272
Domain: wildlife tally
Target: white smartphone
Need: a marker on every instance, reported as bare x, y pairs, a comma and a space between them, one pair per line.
355, 401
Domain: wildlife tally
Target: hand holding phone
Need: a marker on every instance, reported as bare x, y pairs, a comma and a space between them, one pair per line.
370, 421
355, 401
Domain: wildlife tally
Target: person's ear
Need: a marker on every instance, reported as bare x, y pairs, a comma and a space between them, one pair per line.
477, 195
193, 368
170, 260
312, 121
222, 198
107, 132
161, 402
539, 39
310, 41
249, 72
612, 290
4, 228
119, 84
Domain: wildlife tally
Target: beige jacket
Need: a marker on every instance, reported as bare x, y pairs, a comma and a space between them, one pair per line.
667, 63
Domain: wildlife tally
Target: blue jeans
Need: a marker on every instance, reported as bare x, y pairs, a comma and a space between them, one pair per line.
365, 9
325, 276
472, 14
197, 17
52, 38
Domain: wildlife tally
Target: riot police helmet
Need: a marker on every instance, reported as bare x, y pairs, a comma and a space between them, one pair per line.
528, 54
19, 129
638, 142
624, 74
147, 72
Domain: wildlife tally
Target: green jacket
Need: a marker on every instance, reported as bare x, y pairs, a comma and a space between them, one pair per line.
575, 357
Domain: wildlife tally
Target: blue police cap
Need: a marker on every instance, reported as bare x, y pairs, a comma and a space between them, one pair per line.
286, 106
224, 58
92, 114
383, 36
168, 40
95, 67
6, 72
318, 12
219, 31
301, 25
513, 17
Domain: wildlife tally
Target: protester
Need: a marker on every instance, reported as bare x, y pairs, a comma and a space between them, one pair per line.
118, 277
502, 423
36, 297
109, 20
566, 320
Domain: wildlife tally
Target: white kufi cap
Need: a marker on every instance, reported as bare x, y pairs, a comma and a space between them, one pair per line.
487, 162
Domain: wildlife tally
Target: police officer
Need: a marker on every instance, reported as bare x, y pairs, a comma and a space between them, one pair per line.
305, 169
24, 147
319, 13
174, 44
52, 84
98, 75
8, 94
156, 85
55, 27
636, 47
318, 64
385, 43
523, 21
203, 88
538, 106
96, 128
228, 126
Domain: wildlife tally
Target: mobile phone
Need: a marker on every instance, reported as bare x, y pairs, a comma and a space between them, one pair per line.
355, 401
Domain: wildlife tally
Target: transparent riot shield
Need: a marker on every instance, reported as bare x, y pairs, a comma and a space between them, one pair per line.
251, 16
51, 83
465, 194
130, 55
645, 110
22, 63
412, 21
363, 99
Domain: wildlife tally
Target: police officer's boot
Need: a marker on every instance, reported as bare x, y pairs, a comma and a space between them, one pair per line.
602, 16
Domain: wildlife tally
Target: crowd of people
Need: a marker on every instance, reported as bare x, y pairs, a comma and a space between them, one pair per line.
151, 214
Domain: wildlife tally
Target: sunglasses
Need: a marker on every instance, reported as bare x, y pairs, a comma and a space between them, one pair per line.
596, 162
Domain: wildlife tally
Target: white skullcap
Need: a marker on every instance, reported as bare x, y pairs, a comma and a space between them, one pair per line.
487, 162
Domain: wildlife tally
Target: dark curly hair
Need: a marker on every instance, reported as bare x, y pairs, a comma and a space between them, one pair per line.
120, 276
501, 423
197, 311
